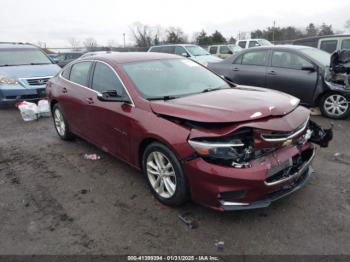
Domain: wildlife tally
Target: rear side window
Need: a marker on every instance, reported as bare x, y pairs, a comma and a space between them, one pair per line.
329, 45
168, 49
105, 79
213, 50
80, 73
345, 44
179, 50
255, 58
242, 44
288, 60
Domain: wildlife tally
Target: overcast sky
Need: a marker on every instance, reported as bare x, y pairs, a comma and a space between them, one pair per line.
54, 22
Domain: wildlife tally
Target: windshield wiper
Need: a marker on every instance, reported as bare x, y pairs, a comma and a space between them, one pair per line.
40, 63
162, 98
212, 89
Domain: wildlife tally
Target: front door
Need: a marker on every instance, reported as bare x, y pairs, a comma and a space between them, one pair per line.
292, 74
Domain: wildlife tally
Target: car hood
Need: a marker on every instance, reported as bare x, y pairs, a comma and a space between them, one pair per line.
206, 59
30, 71
228, 105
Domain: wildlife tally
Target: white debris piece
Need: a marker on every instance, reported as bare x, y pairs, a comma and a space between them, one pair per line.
29, 111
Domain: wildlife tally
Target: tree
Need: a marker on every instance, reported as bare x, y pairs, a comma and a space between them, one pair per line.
73, 42
203, 38
142, 34
326, 30
217, 38
232, 40
90, 44
311, 30
175, 35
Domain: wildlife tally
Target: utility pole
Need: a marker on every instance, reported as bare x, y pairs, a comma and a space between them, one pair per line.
124, 39
273, 31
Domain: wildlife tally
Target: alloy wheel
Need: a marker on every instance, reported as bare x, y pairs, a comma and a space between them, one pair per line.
161, 174
59, 122
336, 105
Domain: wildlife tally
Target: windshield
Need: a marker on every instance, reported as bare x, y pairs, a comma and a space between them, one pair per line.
14, 57
196, 50
235, 48
264, 42
171, 77
322, 57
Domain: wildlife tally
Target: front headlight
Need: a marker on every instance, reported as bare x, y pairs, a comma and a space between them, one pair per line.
234, 150
5, 80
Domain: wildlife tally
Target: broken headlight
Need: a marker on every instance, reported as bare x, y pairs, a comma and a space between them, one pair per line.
234, 150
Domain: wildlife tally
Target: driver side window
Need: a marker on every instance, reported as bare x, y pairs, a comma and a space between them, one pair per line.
104, 79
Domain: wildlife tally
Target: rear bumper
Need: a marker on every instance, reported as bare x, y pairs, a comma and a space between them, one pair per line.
12, 95
268, 179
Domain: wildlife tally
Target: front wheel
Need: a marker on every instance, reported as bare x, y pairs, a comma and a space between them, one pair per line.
61, 124
164, 175
335, 105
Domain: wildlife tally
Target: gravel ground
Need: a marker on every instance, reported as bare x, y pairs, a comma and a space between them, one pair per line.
52, 201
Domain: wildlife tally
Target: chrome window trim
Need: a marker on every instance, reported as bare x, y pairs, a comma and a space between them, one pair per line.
288, 137
98, 93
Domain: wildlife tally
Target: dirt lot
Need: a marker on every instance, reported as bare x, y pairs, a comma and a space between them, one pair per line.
52, 201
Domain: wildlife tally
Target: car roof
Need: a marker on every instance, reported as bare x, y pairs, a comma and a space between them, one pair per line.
173, 45
6, 45
130, 57
295, 47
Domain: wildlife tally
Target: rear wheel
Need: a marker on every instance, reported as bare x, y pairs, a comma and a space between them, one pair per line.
164, 175
61, 124
335, 105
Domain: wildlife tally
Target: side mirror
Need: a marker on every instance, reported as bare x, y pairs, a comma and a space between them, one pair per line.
309, 68
185, 54
112, 96
230, 52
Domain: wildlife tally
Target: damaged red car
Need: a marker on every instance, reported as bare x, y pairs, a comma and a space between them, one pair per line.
193, 134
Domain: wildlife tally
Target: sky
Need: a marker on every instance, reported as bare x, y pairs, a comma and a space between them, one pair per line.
54, 22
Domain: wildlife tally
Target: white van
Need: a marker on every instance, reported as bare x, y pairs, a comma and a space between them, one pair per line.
248, 43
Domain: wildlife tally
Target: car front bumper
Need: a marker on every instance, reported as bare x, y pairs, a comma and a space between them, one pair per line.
268, 179
13, 94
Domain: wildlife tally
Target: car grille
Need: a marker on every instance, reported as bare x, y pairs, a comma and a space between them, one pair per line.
37, 81
283, 136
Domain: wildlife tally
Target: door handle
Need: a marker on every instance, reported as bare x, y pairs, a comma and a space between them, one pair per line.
272, 72
235, 69
90, 100
64, 90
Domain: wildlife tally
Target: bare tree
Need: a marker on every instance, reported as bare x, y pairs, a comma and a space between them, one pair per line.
90, 43
41, 44
347, 24
74, 43
142, 34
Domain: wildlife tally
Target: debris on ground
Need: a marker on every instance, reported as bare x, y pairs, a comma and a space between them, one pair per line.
186, 218
341, 158
315, 111
219, 245
133, 196
92, 157
84, 191
31, 111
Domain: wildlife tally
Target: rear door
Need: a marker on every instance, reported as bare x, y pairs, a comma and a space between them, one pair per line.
109, 122
250, 68
74, 92
286, 74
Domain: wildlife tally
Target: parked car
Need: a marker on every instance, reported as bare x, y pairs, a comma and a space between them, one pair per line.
329, 43
248, 43
24, 71
297, 70
192, 133
65, 58
193, 52
88, 54
223, 51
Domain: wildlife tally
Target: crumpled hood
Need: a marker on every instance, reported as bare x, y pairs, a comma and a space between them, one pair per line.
30, 71
228, 105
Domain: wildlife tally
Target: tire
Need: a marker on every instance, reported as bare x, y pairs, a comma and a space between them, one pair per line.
61, 124
335, 106
171, 194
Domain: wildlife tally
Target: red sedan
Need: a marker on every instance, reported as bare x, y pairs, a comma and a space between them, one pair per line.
192, 133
